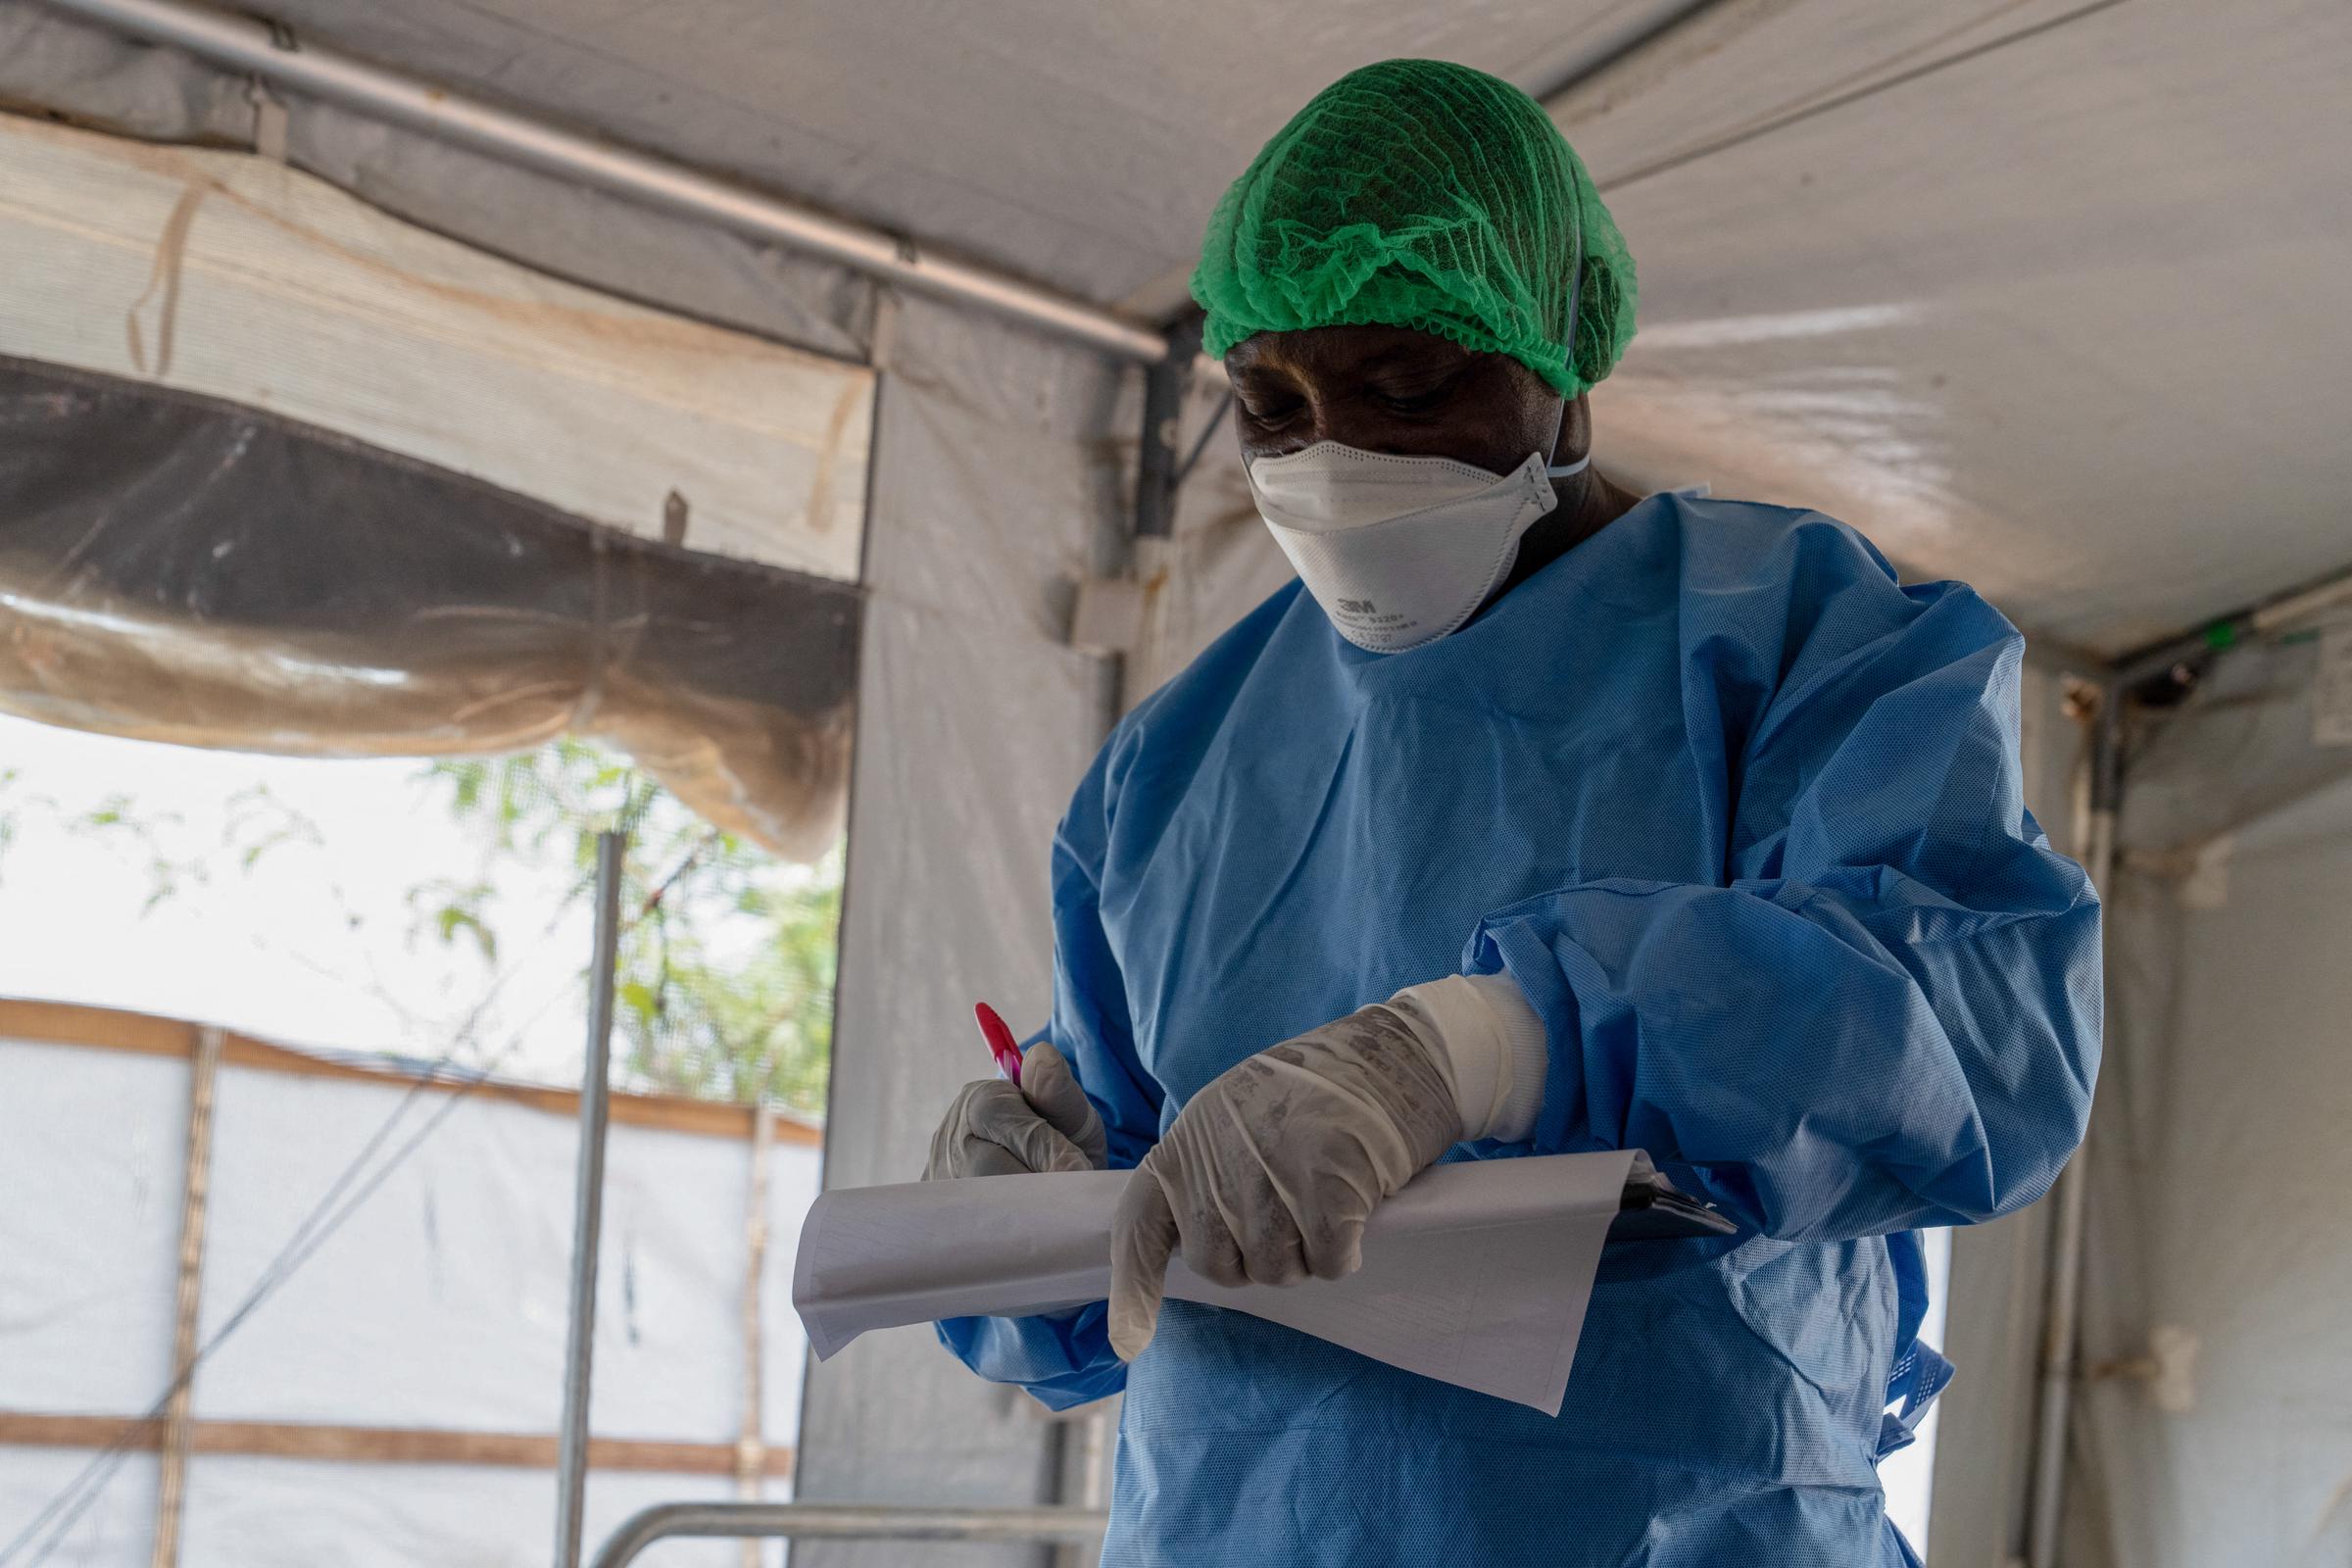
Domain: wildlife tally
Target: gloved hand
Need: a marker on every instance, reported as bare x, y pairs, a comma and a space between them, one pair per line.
1268, 1174
994, 1128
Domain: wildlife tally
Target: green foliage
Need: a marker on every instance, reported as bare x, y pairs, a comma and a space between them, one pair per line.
726, 956
725, 988
258, 823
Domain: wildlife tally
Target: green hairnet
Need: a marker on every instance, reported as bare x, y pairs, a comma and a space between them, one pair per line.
1427, 195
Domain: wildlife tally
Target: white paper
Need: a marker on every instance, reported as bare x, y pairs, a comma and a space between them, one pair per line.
1475, 1274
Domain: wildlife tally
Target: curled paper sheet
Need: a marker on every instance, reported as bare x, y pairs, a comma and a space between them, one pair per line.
1475, 1274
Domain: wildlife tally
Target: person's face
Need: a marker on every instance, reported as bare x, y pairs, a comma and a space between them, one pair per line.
1393, 390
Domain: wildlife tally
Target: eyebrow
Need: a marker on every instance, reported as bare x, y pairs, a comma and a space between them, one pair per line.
1415, 356
1436, 357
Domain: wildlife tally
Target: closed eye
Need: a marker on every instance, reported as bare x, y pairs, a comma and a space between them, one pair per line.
1414, 397
1268, 410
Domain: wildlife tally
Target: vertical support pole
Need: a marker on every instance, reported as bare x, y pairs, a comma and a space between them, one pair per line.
1164, 386
2062, 1311
750, 1449
1156, 478
196, 1181
588, 1204
1082, 1460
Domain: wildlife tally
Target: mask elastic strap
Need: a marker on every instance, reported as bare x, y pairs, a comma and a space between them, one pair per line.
1564, 471
1576, 300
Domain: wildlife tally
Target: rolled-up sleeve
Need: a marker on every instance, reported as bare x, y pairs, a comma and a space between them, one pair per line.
1888, 1012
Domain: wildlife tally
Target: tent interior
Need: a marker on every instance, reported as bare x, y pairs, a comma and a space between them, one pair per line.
348, 419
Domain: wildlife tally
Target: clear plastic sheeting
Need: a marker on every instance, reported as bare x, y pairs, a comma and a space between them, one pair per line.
233, 277
177, 570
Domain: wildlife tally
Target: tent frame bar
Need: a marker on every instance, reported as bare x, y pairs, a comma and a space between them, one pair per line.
271, 53
588, 1202
2273, 614
844, 1521
195, 1205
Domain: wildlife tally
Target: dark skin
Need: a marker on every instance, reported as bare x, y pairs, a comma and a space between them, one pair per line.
1394, 390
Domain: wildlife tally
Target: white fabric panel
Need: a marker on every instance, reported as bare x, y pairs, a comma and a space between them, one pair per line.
117, 1531
92, 1148
235, 277
669, 1286
103, 81
998, 458
440, 1304
2219, 1167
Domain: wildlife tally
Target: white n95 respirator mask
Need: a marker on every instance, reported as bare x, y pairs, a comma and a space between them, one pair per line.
1399, 550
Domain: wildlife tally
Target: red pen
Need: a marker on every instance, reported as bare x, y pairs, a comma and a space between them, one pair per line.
999, 1042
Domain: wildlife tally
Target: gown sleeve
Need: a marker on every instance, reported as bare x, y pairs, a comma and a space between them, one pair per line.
1065, 1358
1888, 1013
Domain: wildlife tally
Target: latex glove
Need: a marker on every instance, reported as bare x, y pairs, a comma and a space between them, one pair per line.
994, 1128
1268, 1174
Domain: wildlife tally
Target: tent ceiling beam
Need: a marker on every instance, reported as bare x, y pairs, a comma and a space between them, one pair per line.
273, 55
2275, 613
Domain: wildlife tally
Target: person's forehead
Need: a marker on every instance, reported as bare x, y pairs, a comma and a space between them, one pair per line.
1325, 350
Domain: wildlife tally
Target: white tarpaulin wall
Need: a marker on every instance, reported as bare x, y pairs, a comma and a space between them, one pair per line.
2041, 295
2216, 1427
437, 1312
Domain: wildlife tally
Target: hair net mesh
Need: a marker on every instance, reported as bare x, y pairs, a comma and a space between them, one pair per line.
1427, 195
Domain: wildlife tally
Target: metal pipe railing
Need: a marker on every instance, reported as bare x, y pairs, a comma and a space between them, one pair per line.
276, 56
844, 1521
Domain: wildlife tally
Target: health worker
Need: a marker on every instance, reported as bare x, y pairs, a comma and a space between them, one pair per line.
1535, 816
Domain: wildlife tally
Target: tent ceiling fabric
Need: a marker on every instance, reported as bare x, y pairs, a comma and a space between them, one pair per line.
1078, 145
2070, 320
2065, 318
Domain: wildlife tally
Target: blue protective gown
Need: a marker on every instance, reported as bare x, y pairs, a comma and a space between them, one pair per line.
1741, 815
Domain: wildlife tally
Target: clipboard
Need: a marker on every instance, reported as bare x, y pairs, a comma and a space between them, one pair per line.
1654, 1209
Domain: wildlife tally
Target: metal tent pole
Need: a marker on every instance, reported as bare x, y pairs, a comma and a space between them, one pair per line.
276, 55
2062, 1311
588, 1204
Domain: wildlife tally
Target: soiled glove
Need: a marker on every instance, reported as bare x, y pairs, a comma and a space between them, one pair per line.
995, 1128
1268, 1174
